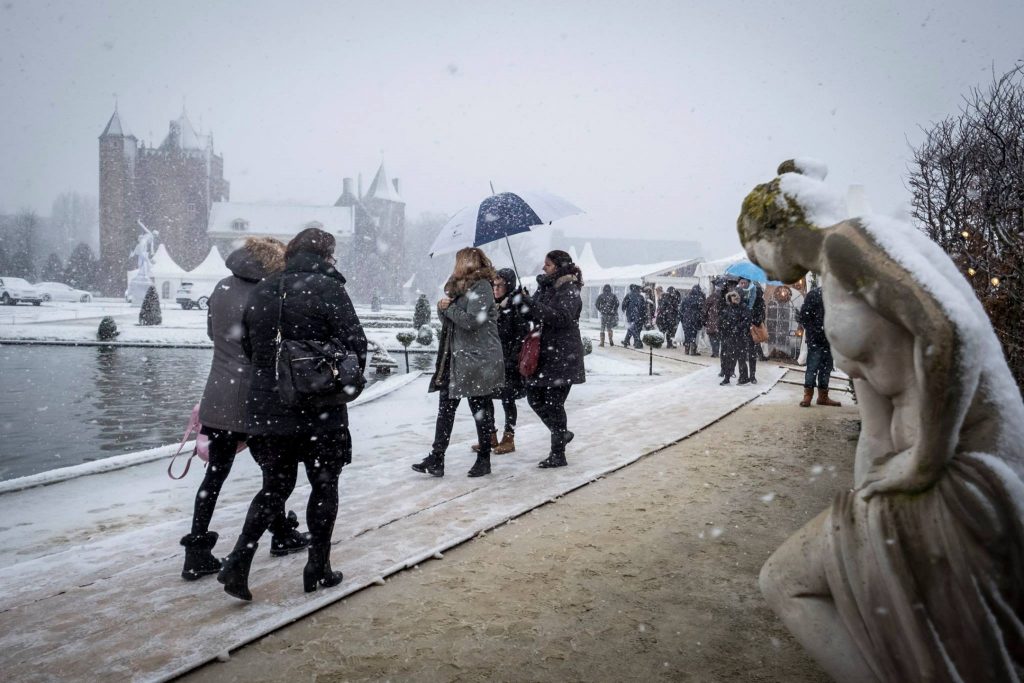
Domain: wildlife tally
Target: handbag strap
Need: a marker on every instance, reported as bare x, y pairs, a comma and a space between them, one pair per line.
188, 463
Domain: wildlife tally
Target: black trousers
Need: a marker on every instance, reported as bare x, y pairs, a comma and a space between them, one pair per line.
483, 414
734, 352
223, 447
279, 458
549, 404
753, 351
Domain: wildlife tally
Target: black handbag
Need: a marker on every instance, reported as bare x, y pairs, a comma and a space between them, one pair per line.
309, 371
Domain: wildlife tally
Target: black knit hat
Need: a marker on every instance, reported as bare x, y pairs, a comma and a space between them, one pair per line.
509, 277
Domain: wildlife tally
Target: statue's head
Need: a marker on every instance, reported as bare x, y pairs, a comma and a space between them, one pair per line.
767, 221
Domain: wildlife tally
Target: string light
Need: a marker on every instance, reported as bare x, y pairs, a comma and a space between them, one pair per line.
994, 281
971, 271
965, 234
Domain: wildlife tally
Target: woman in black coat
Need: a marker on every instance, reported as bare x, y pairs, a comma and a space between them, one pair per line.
306, 302
692, 313
222, 410
556, 308
734, 325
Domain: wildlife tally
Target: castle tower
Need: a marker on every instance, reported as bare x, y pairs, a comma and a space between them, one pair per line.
169, 188
117, 204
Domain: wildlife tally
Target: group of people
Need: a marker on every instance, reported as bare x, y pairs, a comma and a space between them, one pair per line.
279, 292
487, 318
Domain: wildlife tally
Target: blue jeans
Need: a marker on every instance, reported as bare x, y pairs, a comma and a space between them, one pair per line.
633, 330
819, 367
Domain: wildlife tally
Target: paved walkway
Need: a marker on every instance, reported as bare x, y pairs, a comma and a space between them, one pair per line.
115, 608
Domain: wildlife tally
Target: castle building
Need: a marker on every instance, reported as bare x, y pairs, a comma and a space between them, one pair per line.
169, 188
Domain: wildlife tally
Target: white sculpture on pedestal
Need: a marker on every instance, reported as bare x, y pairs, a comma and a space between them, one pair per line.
143, 278
917, 572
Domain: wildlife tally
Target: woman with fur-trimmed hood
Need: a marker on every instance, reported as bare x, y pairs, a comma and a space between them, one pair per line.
469, 359
556, 309
222, 410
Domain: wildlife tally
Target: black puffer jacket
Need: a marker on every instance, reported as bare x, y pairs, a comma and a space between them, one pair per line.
734, 325
812, 317
227, 387
513, 326
317, 308
556, 307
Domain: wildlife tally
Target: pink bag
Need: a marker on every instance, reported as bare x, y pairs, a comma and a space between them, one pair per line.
202, 447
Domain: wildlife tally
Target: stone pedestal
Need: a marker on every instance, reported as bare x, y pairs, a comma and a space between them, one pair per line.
137, 288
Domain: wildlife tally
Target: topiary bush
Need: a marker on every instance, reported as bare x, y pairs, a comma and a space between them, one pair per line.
149, 314
653, 338
425, 335
421, 316
406, 337
107, 330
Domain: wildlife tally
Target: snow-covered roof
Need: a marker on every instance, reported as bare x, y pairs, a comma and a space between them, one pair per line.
709, 269
212, 266
382, 188
276, 220
164, 265
183, 136
594, 274
114, 127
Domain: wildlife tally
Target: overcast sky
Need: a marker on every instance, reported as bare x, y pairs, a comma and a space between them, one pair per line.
655, 117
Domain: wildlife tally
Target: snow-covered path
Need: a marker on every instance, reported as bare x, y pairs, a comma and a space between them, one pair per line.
91, 585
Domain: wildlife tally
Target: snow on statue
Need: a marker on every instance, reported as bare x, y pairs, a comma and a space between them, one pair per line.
144, 250
915, 573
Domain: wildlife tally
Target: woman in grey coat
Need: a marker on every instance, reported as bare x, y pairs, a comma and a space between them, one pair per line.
222, 410
469, 359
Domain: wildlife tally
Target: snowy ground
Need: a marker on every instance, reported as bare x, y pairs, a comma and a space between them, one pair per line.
77, 323
94, 559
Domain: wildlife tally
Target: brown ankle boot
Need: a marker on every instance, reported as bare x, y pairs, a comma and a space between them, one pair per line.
494, 443
824, 400
507, 445
808, 395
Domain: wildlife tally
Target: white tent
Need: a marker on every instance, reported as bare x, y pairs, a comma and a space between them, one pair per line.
709, 269
167, 274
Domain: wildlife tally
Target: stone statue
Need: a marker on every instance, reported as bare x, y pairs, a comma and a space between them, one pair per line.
917, 572
144, 251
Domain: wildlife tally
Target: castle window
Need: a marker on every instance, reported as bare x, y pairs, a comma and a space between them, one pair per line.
240, 224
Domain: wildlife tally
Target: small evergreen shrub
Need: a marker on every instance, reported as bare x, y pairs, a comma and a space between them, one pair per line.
107, 330
149, 314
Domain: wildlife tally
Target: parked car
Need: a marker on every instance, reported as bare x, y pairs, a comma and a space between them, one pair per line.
15, 289
189, 299
58, 291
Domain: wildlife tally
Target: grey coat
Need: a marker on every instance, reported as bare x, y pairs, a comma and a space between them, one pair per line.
227, 388
477, 365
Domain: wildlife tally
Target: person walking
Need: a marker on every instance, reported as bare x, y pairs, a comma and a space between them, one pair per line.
692, 314
635, 308
607, 306
306, 302
469, 360
819, 352
668, 315
223, 407
710, 315
513, 326
753, 298
556, 309
734, 323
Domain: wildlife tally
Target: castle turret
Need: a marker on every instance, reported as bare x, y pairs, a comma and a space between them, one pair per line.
117, 206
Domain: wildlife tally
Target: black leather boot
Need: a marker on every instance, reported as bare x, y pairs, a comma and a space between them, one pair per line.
432, 465
553, 460
287, 537
482, 465
199, 561
235, 572
318, 570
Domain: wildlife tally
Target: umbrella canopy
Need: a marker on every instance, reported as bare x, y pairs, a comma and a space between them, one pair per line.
748, 271
499, 216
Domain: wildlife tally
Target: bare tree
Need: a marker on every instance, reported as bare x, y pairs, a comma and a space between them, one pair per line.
967, 179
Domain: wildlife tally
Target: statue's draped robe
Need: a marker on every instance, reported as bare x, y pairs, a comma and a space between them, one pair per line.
931, 585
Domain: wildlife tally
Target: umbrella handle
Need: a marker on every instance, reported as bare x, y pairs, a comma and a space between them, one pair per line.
509, 244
